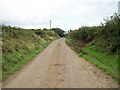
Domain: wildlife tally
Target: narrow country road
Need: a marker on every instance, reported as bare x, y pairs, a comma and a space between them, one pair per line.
58, 66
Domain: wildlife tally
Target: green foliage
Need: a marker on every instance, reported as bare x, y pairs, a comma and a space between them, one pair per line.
111, 33
104, 48
73, 35
106, 61
84, 34
46, 34
15, 39
107, 35
20, 45
58, 31
12, 62
98, 56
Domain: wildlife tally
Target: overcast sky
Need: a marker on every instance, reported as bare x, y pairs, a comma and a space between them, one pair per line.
65, 14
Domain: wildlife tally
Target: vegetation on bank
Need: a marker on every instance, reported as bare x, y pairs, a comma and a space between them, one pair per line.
99, 44
19, 46
59, 31
108, 62
0, 52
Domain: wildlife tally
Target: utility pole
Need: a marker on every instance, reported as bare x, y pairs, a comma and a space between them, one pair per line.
50, 24
119, 7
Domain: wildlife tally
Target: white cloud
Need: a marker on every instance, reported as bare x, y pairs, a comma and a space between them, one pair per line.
66, 14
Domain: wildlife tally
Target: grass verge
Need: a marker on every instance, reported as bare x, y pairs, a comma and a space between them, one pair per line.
13, 62
103, 60
100, 58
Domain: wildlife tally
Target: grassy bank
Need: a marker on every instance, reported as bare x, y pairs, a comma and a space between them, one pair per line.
107, 62
99, 45
14, 61
103, 60
22, 45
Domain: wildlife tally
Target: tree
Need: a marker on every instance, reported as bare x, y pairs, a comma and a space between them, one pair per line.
59, 31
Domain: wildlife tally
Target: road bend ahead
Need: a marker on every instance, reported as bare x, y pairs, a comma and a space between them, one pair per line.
59, 67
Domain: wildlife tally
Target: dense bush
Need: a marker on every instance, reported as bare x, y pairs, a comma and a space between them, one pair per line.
83, 33
101, 45
106, 35
111, 33
59, 31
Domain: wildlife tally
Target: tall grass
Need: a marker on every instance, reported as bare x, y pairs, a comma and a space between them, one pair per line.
21, 45
13, 62
106, 61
